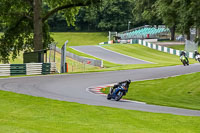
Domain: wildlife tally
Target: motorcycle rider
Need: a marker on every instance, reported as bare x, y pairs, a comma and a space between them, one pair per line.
124, 85
183, 53
195, 54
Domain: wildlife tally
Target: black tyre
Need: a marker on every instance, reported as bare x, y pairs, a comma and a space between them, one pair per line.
109, 96
118, 96
199, 60
184, 62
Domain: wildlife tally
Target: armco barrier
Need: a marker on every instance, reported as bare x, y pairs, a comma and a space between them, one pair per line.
33, 68
46, 67
4, 69
27, 69
17, 69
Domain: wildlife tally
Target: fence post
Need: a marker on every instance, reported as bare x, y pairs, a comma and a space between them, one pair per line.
63, 57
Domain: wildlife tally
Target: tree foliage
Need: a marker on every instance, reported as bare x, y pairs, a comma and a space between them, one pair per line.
18, 19
112, 15
144, 11
175, 14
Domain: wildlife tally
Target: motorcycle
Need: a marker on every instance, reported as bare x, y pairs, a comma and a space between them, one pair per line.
184, 60
197, 57
117, 93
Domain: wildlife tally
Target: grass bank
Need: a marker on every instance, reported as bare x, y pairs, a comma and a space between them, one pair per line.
179, 47
22, 113
181, 91
147, 54
159, 59
79, 38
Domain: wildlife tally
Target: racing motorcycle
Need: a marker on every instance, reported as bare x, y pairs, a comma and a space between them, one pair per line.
197, 57
118, 91
184, 60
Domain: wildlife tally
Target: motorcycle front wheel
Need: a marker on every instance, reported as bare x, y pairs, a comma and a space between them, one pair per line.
118, 96
109, 96
184, 62
199, 60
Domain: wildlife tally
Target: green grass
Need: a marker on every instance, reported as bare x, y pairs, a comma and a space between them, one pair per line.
79, 38
22, 113
159, 59
181, 91
106, 63
179, 47
73, 65
148, 54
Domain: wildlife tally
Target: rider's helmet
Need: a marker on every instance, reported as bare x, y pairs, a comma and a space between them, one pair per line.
129, 81
183, 53
195, 52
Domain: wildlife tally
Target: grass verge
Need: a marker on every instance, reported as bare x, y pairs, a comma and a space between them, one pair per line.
179, 47
22, 113
79, 38
181, 91
148, 54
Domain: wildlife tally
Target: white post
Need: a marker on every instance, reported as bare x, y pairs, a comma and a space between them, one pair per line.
129, 25
109, 36
63, 58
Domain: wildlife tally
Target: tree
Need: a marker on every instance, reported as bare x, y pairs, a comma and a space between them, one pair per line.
144, 12
115, 15
189, 16
186, 20
167, 11
22, 18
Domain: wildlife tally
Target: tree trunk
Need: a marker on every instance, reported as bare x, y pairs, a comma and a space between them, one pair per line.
188, 34
37, 25
172, 30
198, 32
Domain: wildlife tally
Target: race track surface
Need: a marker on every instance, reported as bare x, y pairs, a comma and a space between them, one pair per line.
108, 55
73, 87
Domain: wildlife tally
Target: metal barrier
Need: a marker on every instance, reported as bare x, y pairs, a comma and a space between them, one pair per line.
98, 63
17, 69
27, 69
4, 69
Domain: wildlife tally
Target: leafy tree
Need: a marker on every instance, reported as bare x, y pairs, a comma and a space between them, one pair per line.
186, 19
144, 12
195, 9
112, 15
167, 11
115, 15
189, 16
26, 23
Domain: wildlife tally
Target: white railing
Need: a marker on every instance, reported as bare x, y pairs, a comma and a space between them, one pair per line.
4, 69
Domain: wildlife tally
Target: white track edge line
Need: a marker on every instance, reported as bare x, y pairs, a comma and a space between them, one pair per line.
127, 55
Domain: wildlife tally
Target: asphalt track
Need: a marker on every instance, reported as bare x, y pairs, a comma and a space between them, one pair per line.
111, 56
72, 87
